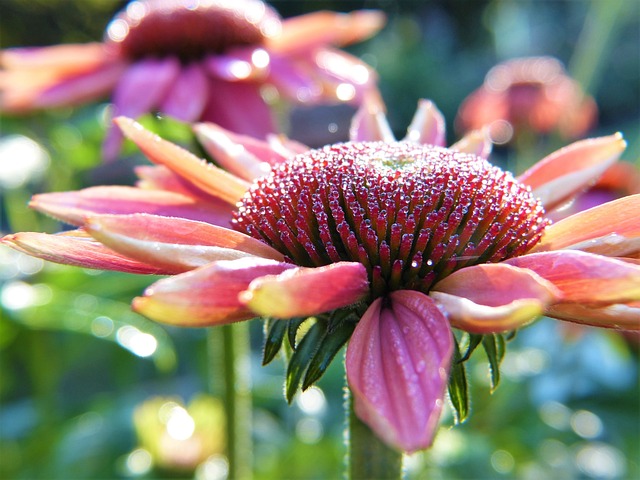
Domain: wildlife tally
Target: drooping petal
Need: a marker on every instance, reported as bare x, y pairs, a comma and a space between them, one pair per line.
345, 78
175, 244
618, 316
295, 80
69, 91
207, 295
561, 175
239, 64
397, 363
238, 154
203, 175
492, 298
611, 229
584, 277
428, 125
67, 59
188, 94
76, 248
144, 85
370, 123
305, 32
74, 207
476, 142
307, 291
239, 106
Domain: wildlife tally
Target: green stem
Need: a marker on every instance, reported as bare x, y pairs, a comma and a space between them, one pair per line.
367, 456
230, 378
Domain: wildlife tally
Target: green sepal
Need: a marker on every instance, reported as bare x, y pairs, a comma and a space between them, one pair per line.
330, 344
473, 342
458, 386
274, 335
292, 331
299, 361
494, 347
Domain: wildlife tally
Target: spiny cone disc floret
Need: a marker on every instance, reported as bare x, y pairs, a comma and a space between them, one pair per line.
190, 28
412, 214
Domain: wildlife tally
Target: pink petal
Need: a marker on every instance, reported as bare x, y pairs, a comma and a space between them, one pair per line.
492, 298
239, 64
428, 125
175, 244
144, 85
476, 142
584, 277
201, 174
239, 154
307, 291
207, 295
239, 106
295, 79
304, 32
337, 69
67, 59
188, 95
397, 365
370, 123
558, 177
611, 229
76, 248
74, 207
81, 88
619, 316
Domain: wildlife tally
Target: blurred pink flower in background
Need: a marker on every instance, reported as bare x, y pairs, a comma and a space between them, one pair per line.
528, 94
410, 237
212, 60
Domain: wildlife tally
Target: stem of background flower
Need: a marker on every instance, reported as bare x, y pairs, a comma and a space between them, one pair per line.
593, 45
367, 456
229, 364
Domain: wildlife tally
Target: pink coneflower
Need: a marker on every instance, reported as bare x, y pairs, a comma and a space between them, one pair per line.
387, 244
211, 60
528, 94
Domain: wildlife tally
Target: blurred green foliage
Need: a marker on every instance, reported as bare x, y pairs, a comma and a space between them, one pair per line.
76, 362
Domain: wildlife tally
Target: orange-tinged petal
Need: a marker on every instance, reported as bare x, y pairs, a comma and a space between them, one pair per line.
397, 363
76, 248
497, 284
307, 291
234, 152
74, 207
584, 277
477, 318
476, 142
203, 175
370, 122
175, 244
611, 229
207, 295
66, 59
561, 175
428, 125
618, 316
320, 28
492, 298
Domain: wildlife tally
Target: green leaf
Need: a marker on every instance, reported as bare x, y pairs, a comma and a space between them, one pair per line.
330, 344
299, 361
292, 331
494, 346
458, 387
474, 341
274, 335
